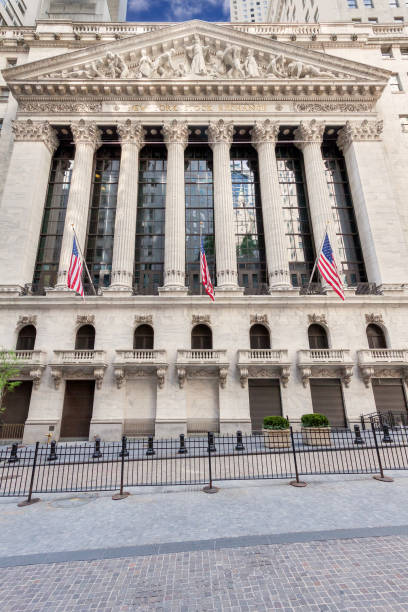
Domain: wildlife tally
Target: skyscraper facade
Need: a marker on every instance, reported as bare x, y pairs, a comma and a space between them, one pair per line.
324, 11
249, 10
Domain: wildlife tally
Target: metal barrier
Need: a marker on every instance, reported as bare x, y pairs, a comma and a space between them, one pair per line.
200, 460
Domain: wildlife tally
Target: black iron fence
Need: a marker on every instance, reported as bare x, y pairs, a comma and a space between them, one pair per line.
204, 460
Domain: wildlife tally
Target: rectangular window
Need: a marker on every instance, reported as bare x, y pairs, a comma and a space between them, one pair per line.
373, 20
352, 3
10, 62
404, 52
369, 3
395, 83
4, 94
386, 52
404, 123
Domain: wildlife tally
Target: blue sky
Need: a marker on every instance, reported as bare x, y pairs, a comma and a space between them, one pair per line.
178, 10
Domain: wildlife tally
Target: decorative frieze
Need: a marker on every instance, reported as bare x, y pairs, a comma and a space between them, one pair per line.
355, 131
60, 107
24, 320
374, 318
145, 319
320, 319
259, 318
333, 107
201, 319
35, 131
87, 319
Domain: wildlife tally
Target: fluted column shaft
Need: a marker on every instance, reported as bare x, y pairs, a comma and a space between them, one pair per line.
310, 136
86, 138
220, 138
132, 136
264, 137
176, 138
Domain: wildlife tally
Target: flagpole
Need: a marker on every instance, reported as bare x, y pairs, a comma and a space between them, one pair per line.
83, 259
317, 258
201, 280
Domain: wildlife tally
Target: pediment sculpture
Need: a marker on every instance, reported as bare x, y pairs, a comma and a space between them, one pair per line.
197, 61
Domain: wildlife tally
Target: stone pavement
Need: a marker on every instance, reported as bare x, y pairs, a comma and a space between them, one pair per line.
368, 574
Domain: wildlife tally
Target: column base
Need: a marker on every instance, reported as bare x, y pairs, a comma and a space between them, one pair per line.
173, 290
11, 290
229, 290
60, 290
284, 291
117, 291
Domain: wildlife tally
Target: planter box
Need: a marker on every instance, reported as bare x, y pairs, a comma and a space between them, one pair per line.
277, 438
316, 436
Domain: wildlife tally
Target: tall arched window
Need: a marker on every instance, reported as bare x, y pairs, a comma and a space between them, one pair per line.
317, 337
376, 337
85, 338
26, 338
260, 337
201, 338
143, 338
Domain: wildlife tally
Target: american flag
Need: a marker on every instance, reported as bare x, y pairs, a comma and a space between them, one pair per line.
205, 274
328, 269
75, 271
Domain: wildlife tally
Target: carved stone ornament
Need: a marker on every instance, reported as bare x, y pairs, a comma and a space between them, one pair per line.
265, 132
161, 377
119, 377
220, 132
223, 377
182, 375
316, 318
36, 131
285, 375
131, 132
87, 319
36, 376
24, 320
309, 132
86, 133
146, 319
198, 319
243, 376
367, 374
259, 318
99, 373
57, 377
359, 131
332, 107
373, 318
175, 132
197, 60
60, 107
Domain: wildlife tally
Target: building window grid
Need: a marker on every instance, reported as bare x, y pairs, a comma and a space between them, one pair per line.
249, 231
199, 196
149, 252
101, 228
296, 214
52, 229
349, 255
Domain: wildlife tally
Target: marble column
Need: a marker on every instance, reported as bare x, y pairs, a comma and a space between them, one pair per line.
132, 138
220, 134
25, 191
264, 136
375, 204
176, 139
87, 140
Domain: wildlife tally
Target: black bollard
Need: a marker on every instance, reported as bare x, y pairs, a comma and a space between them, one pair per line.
387, 438
150, 449
182, 450
53, 455
97, 450
211, 445
124, 452
13, 455
362, 419
239, 446
358, 439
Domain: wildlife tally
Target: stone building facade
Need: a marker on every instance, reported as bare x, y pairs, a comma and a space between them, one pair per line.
253, 138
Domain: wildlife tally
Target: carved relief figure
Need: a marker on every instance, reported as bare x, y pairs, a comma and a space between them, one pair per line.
250, 65
164, 64
145, 65
276, 67
231, 59
198, 54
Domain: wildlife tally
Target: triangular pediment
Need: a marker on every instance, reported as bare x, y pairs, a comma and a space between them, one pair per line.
191, 54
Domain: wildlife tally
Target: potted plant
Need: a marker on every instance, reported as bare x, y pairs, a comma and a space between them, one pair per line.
315, 430
276, 432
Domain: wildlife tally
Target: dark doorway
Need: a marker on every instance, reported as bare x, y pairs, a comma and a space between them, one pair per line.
77, 411
144, 338
327, 399
317, 337
26, 338
375, 337
390, 397
85, 338
259, 337
264, 400
17, 404
201, 338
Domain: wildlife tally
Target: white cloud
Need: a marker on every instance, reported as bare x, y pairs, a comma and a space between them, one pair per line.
138, 5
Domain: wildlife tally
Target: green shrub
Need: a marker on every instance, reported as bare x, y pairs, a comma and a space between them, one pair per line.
276, 422
315, 420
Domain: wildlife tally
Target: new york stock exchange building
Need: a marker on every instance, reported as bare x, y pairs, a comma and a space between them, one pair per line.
253, 137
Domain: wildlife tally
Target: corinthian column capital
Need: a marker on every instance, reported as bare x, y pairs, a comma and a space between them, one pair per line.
359, 131
131, 132
220, 132
175, 132
308, 132
86, 133
265, 132
35, 131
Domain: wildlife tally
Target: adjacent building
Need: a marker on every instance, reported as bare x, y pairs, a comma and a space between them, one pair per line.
150, 138
253, 11
329, 11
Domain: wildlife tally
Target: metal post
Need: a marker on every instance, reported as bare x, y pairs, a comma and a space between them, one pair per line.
150, 449
30, 500
386, 439
297, 482
182, 450
13, 454
358, 439
97, 450
210, 449
379, 476
239, 446
362, 422
53, 454
124, 453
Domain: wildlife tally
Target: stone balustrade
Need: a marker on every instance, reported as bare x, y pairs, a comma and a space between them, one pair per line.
88, 364
325, 363
196, 363
30, 364
263, 363
383, 363
139, 363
